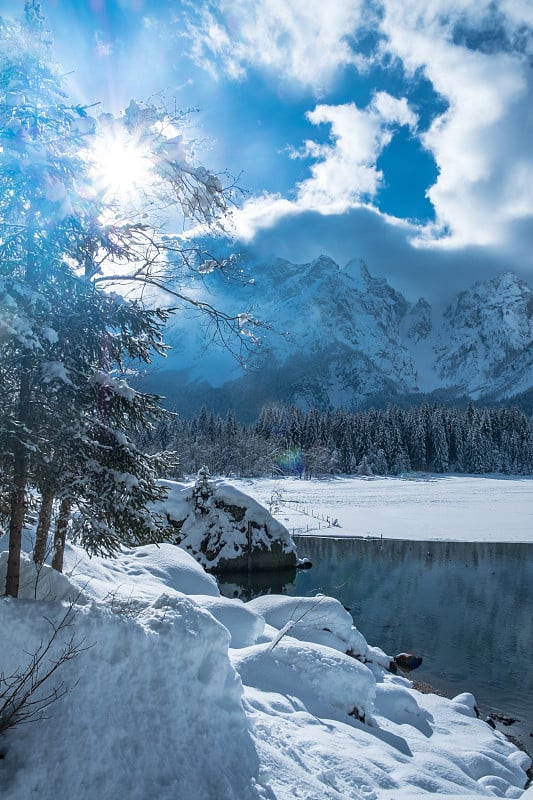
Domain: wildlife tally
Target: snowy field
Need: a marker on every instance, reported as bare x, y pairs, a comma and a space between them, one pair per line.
451, 508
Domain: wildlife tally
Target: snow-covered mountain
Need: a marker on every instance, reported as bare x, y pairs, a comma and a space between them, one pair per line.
341, 337
486, 338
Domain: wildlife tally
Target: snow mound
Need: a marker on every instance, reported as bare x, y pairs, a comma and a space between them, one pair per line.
319, 619
465, 703
40, 582
154, 707
320, 677
138, 574
399, 705
244, 625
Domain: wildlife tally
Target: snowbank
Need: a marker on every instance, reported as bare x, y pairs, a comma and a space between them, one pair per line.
328, 681
41, 582
138, 573
319, 619
243, 624
154, 707
179, 693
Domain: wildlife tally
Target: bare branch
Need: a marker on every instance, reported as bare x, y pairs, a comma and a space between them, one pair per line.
20, 700
234, 331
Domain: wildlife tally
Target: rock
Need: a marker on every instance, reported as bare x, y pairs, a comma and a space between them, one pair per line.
503, 718
224, 529
407, 661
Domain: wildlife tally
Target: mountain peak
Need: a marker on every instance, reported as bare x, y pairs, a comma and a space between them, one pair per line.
339, 336
325, 262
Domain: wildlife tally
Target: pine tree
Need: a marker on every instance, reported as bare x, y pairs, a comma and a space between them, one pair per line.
440, 447
68, 416
457, 442
39, 163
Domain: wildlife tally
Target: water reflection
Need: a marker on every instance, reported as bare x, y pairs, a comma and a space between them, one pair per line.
467, 608
247, 585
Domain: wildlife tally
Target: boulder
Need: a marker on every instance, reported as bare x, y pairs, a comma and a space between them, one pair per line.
225, 529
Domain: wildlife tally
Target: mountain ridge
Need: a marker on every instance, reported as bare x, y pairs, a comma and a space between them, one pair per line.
339, 336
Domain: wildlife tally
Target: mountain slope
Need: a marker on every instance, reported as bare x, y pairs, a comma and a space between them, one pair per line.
340, 337
487, 338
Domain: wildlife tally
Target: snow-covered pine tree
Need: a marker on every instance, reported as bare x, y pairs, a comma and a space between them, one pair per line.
65, 410
440, 446
56, 324
92, 464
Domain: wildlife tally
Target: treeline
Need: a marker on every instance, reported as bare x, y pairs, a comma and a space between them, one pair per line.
287, 440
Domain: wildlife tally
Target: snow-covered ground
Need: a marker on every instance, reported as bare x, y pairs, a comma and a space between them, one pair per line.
180, 694
432, 507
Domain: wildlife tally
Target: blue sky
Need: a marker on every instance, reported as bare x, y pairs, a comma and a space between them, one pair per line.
397, 131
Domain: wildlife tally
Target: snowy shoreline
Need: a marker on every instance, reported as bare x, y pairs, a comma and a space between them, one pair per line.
265, 688
194, 696
427, 688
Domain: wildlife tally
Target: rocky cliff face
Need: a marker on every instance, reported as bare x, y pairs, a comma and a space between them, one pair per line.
485, 345
339, 336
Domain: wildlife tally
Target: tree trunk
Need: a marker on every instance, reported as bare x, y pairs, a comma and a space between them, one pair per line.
43, 527
60, 534
16, 522
18, 494
20, 460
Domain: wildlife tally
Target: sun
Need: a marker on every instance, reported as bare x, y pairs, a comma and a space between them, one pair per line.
122, 166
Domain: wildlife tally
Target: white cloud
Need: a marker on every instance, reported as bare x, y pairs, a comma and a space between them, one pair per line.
518, 13
481, 144
304, 41
473, 52
345, 172
259, 213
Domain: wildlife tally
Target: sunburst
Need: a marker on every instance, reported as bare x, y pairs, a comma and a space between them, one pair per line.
122, 166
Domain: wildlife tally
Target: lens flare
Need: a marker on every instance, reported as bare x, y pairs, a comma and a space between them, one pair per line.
121, 165
291, 461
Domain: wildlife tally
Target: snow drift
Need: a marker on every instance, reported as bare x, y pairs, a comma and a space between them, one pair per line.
154, 707
182, 694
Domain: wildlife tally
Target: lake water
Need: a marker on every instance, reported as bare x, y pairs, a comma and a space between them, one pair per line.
466, 608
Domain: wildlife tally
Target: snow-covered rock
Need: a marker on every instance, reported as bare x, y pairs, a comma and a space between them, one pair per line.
326, 679
319, 619
225, 529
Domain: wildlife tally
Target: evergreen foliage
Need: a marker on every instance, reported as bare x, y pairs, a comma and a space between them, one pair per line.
69, 419
287, 440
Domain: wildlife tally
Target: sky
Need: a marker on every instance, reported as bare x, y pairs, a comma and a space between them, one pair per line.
397, 131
